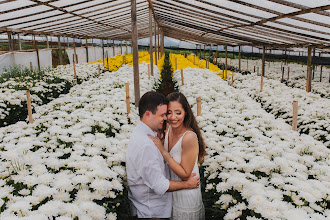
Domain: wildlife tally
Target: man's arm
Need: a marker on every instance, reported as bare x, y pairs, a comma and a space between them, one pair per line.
191, 183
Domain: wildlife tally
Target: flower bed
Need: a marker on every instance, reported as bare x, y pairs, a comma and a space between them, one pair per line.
69, 162
276, 98
297, 74
256, 166
44, 86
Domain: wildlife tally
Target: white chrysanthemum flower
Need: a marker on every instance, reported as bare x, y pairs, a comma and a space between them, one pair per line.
24, 192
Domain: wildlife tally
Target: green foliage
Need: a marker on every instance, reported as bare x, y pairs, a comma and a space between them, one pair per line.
167, 84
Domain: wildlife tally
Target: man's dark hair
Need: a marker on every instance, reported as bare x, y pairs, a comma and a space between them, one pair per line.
150, 101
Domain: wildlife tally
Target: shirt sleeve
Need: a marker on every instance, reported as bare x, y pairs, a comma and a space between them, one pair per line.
151, 170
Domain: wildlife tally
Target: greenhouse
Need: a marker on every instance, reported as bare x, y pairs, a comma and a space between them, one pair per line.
255, 74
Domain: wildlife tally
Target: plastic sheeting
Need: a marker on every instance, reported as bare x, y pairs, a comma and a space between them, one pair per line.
95, 53
24, 58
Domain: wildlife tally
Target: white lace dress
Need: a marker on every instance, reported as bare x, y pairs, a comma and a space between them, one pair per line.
187, 203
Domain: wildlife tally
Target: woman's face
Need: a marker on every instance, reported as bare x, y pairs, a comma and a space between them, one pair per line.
175, 114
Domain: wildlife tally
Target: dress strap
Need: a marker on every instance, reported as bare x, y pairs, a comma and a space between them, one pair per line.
186, 132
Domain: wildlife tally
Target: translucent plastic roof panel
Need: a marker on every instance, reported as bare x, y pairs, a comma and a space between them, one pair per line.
281, 23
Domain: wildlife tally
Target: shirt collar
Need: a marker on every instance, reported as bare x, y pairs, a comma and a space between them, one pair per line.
146, 129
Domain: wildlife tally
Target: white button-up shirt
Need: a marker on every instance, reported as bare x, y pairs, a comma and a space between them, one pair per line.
147, 176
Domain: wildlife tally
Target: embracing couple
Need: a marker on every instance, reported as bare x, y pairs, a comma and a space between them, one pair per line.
162, 160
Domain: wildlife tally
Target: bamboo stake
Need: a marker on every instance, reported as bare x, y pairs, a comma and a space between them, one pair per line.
150, 42
232, 79
226, 63
295, 115
254, 68
262, 82
282, 75
309, 71
321, 74
135, 54
176, 64
239, 58
75, 72
199, 108
28, 102
182, 76
149, 71
113, 48
19, 42
99, 70
128, 107
31, 68
287, 80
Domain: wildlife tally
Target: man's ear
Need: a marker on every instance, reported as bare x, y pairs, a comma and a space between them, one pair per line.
147, 113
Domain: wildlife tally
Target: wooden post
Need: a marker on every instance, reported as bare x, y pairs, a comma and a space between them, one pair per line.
295, 115
126, 48
155, 44
135, 53
216, 54
149, 71
128, 106
87, 51
158, 48
113, 48
247, 63
199, 108
204, 51
47, 42
257, 70
162, 43
261, 83
282, 75
121, 47
60, 50
75, 72
313, 64
232, 79
263, 60
74, 52
254, 68
31, 68
107, 61
225, 75
200, 51
309, 71
176, 64
239, 58
99, 70
150, 42
287, 80
103, 52
321, 74
182, 76
28, 102
19, 42
10, 41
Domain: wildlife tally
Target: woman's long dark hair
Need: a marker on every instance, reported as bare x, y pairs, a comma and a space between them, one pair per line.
189, 121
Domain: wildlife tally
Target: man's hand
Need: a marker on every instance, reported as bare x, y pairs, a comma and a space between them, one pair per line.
193, 181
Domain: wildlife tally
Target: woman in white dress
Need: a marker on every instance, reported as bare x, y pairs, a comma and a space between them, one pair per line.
183, 148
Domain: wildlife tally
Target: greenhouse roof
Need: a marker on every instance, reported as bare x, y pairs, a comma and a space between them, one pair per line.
271, 23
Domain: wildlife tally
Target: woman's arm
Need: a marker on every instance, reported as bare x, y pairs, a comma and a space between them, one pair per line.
188, 157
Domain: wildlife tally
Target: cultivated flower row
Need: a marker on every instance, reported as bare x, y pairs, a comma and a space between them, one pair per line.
256, 167
297, 74
194, 62
68, 164
277, 98
44, 86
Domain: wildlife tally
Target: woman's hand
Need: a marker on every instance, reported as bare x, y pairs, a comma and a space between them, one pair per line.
157, 142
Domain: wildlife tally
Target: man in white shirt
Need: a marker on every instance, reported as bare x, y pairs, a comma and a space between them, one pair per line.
147, 175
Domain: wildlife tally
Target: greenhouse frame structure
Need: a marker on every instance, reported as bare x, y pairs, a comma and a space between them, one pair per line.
267, 24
